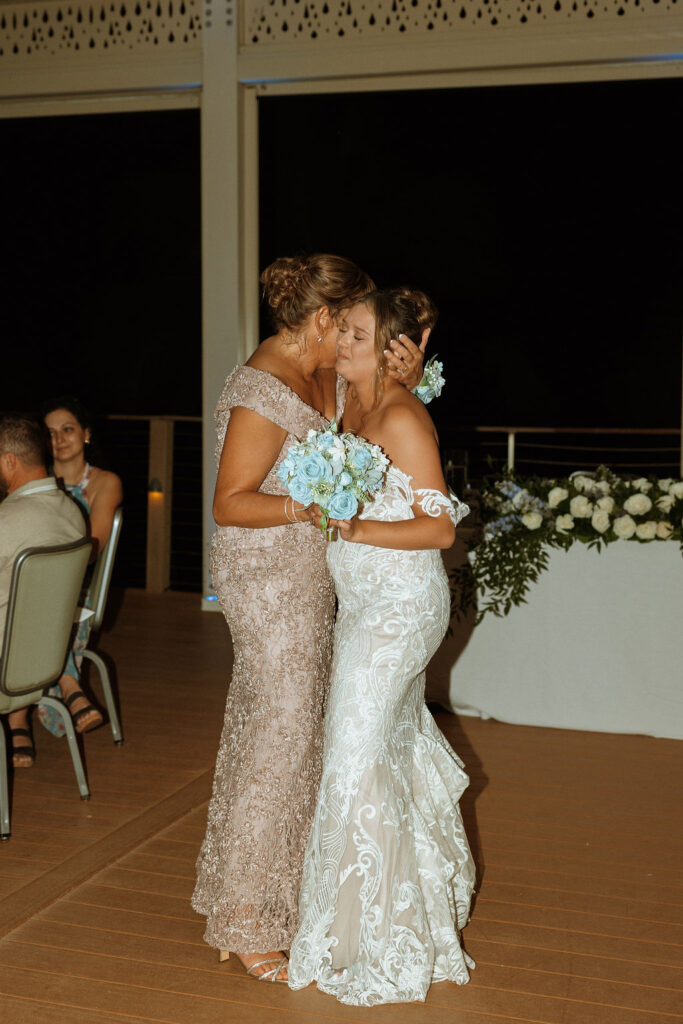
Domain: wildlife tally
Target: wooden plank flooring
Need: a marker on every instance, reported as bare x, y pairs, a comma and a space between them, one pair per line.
578, 838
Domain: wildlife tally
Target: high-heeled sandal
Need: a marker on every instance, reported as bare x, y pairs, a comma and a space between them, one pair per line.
78, 716
27, 750
271, 975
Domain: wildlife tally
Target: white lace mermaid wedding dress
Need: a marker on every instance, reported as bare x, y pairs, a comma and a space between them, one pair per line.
388, 874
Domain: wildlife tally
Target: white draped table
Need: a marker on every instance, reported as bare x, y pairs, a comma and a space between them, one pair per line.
598, 646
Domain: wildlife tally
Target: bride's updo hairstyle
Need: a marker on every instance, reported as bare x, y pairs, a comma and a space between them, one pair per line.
397, 311
296, 286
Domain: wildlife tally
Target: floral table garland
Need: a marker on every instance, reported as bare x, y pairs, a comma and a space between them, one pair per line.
523, 518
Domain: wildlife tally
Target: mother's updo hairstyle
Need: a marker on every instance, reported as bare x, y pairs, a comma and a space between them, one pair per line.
296, 286
397, 311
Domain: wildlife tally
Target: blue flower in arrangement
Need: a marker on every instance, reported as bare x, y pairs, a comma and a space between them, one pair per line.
299, 491
335, 471
314, 467
361, 459
343, 505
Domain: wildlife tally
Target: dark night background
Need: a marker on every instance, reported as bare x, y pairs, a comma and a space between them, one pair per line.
545, 221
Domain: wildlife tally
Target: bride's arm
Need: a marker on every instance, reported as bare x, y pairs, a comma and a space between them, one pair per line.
410, 442
251, 447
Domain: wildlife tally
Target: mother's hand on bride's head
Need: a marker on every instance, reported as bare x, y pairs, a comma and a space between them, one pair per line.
405, 359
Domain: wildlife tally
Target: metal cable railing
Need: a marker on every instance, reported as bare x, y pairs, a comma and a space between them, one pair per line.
475, 452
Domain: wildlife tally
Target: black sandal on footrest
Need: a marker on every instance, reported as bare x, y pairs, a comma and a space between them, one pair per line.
27, 750
78, 716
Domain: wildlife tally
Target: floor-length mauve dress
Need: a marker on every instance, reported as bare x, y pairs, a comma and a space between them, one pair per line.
278, 598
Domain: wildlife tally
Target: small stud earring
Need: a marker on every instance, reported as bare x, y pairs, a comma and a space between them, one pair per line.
320, 340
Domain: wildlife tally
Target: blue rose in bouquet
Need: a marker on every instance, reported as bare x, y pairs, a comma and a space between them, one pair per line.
335, 471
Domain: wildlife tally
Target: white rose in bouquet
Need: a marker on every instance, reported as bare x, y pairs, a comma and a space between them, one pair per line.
606, 504
603, 486
666, 502
532, 520
563, 524
580, 507
637, 504
677, 489
664, 530
600, 520
520, 498
624, 527
557, 495
646, 531
665, 484
582, 483
642, 484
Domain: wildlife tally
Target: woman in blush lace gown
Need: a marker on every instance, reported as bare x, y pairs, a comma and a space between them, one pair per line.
388, 874
270, 575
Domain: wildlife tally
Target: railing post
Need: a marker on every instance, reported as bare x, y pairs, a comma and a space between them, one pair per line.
159, 504
511, 449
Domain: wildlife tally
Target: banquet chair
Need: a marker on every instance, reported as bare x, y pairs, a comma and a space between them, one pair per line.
45, 587
98, 592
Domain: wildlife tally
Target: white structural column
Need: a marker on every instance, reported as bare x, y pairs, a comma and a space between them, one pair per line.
221, 332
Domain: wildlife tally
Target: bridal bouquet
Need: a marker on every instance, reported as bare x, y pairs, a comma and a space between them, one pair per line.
335, 471
432, 381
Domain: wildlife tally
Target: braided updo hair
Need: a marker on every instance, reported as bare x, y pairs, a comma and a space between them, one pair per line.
297, 286
397, 311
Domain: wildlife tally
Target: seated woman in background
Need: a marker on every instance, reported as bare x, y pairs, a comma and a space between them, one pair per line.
99, 493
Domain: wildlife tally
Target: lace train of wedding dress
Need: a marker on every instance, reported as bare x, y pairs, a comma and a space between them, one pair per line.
388, 874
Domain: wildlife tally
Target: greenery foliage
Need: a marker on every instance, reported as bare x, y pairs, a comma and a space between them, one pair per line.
524, 518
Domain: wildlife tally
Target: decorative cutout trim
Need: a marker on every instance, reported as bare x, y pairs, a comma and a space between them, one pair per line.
280, 21
61, 29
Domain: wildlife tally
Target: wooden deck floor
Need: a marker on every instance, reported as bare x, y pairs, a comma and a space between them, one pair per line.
578, 838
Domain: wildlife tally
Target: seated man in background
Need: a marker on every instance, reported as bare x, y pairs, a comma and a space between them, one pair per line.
34, 512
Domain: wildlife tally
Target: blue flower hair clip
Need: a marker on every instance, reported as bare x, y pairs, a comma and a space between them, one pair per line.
432, 381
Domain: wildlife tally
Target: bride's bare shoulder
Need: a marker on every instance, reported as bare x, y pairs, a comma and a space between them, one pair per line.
404, 411
408, 434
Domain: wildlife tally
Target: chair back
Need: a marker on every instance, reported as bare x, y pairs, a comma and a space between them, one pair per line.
46, 584
102, 572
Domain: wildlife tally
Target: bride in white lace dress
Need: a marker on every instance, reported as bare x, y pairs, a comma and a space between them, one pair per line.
388, 874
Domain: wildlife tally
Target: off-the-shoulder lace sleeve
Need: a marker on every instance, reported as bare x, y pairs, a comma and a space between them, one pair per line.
435, 503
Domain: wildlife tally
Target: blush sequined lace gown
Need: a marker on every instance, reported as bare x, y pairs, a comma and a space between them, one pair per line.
388, 875
277, 596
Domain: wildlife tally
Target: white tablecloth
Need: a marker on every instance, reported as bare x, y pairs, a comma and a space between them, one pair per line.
598, 646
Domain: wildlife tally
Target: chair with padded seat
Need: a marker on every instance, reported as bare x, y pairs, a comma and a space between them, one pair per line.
98, 592
44, 591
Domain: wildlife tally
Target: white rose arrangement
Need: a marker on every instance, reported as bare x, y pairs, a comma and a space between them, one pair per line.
524, 518
637, 504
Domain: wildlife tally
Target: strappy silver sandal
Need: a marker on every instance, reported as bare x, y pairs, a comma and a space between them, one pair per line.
272, 974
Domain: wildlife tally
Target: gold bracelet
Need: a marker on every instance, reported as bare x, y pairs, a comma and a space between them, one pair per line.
287, 517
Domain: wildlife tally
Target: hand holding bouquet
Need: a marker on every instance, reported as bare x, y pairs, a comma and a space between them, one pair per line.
335, 471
